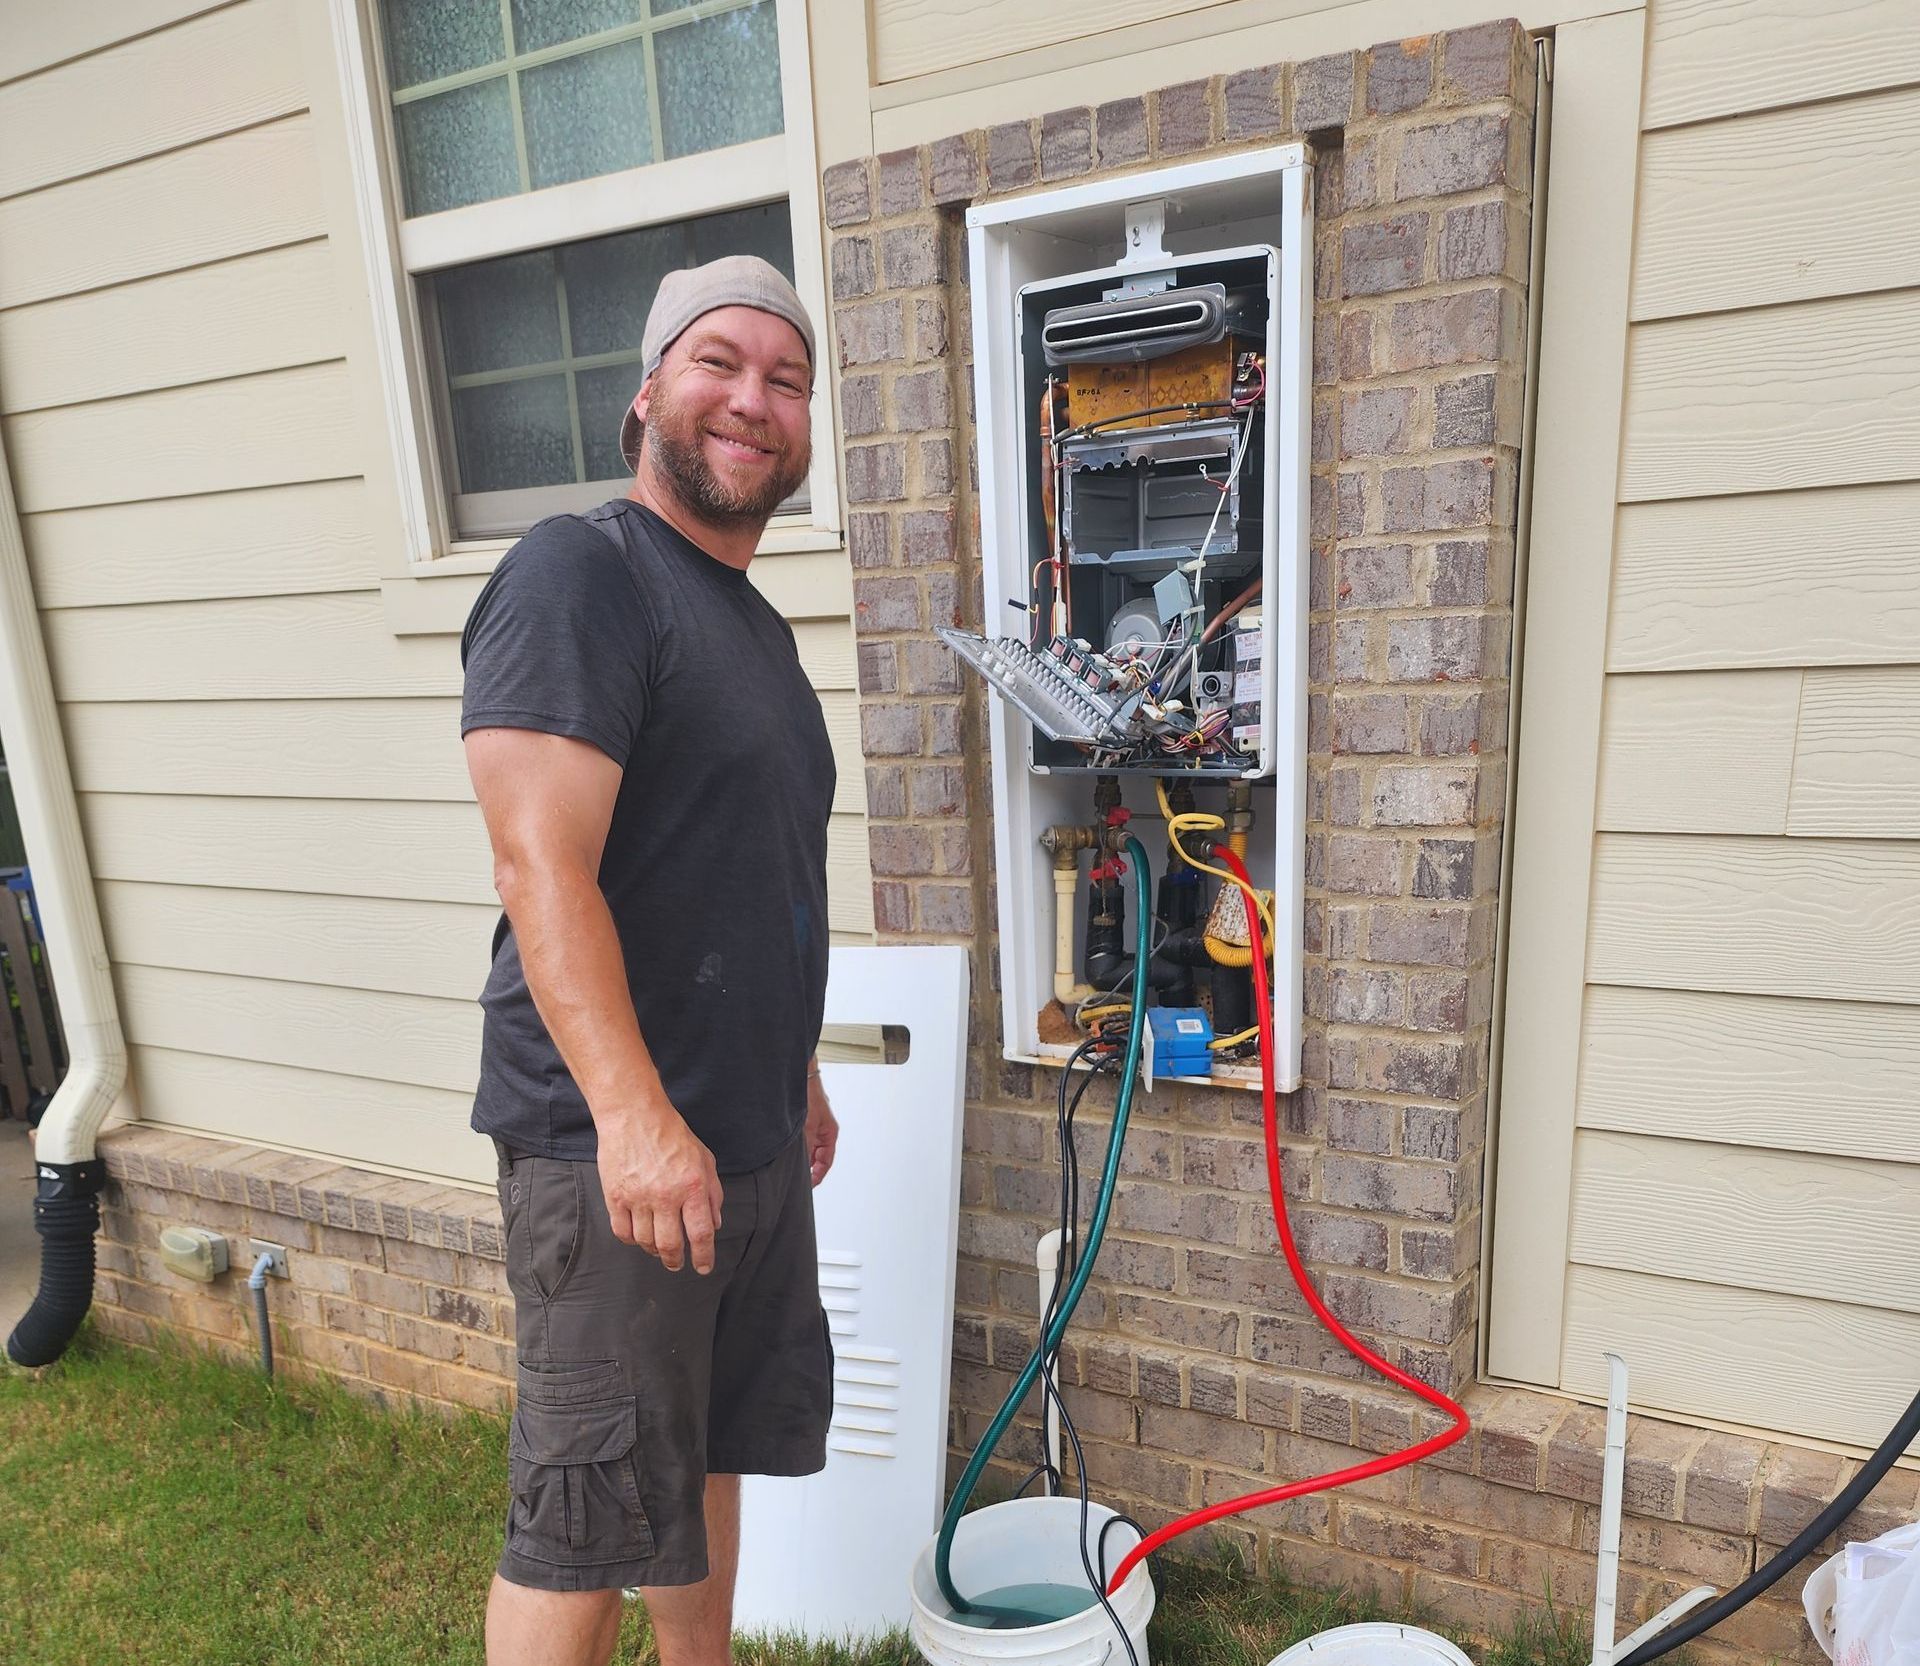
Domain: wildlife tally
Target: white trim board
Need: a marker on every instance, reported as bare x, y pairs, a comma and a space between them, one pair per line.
1589, 242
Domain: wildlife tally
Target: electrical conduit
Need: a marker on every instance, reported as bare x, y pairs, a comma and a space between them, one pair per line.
1110, 1174
263, 1321
66, 1208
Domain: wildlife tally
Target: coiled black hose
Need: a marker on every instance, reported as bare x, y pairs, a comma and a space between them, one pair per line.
66, 1214
1899, 1438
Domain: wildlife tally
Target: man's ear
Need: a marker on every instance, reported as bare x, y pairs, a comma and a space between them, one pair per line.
643, 397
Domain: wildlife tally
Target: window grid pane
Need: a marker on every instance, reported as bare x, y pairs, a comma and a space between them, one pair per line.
739, 38
573, 386
509, 430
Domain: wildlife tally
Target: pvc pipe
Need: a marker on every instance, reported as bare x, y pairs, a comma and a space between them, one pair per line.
66, 1208
1047, 1260
1066, 989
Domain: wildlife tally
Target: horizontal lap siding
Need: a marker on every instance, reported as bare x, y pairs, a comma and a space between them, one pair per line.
1747, 1161
294, 880
1824, 1370
920, 37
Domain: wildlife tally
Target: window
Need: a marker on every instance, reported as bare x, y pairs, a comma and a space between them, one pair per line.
531, 169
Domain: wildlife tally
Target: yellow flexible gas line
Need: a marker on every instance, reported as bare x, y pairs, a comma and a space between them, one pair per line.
1223, 953
1199, 821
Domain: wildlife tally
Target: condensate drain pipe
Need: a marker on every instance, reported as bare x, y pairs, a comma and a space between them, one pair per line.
1047, 1265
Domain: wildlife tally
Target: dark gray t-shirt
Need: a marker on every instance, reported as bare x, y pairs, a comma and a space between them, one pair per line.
613, 628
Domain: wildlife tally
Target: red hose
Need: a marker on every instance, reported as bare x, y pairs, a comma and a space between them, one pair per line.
1263, 1005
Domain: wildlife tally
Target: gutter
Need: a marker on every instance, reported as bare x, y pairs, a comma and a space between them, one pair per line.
66, 1207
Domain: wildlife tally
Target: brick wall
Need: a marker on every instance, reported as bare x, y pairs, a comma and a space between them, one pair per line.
396, 1287
1196, 1372
398, 1292
1421, 153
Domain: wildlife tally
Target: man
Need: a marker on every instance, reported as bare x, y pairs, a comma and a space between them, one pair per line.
656, 778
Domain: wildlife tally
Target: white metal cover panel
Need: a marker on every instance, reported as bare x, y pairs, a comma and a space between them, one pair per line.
830, 1554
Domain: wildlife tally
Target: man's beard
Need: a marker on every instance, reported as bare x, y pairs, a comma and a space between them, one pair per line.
681, 462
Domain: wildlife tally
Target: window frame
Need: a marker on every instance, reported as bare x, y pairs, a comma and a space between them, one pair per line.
397, 251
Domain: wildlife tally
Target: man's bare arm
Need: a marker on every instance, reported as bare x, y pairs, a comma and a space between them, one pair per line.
548, 803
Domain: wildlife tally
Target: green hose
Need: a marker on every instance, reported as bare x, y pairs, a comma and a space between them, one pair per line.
1110, 1175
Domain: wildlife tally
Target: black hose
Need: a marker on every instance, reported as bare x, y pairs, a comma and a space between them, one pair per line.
1113, 1521
1899, 1438
66, 1214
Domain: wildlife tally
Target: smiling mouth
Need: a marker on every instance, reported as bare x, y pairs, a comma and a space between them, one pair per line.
734, 445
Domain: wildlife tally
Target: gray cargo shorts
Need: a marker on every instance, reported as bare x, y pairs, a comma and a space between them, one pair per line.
634, 1383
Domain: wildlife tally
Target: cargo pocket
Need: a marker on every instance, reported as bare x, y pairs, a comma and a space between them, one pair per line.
571, 1466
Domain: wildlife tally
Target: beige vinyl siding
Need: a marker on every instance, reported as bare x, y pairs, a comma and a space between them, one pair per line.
1744, 1147
917, 37
1724, 57
275, 309
905, 72
294, 880
1724, 581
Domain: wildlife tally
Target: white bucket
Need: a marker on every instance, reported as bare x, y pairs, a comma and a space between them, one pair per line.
1377, 1643
1031, 1541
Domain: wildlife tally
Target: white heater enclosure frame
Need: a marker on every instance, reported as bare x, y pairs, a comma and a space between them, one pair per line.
1218, 205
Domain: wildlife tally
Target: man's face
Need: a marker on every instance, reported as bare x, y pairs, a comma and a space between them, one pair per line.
727, 418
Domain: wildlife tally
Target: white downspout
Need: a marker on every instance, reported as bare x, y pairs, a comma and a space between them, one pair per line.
64, 1151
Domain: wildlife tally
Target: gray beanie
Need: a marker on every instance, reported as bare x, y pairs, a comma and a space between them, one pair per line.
693, 291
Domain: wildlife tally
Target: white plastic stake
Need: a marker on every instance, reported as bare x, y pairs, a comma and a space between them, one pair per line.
1613, 1483
1047, 1256
1659, 1623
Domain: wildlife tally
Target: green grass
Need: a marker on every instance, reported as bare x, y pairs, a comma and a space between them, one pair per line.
1211, 1614
173, 1508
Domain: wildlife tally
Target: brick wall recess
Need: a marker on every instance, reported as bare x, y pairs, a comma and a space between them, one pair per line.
1196, 1372
1421, 151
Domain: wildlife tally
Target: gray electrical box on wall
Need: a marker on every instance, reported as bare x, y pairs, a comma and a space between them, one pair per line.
193, 1252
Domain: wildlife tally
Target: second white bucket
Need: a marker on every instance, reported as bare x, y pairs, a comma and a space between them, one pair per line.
1031, 1541
1373, 1643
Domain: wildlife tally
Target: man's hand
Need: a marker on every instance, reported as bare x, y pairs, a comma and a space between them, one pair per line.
823, 1132
657, 1176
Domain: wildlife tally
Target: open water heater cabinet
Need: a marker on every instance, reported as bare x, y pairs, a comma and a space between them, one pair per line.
1142, 360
